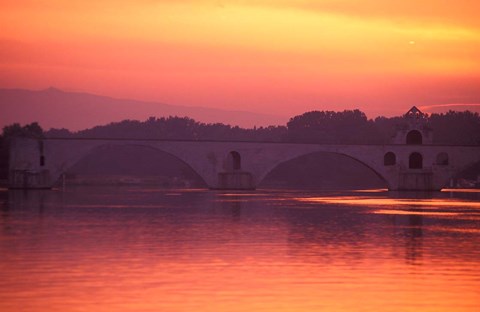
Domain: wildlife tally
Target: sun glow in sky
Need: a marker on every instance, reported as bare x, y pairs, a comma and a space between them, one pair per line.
280, 56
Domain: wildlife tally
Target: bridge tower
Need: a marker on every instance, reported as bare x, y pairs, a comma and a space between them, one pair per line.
414, 131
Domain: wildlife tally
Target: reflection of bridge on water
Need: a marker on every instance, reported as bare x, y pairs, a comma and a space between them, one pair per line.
411, 162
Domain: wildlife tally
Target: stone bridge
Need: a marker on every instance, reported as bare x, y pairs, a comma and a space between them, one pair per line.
39, 163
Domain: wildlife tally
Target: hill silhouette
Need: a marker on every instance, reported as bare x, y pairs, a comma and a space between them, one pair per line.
54, 108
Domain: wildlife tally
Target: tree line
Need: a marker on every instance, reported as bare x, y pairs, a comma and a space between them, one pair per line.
327, 127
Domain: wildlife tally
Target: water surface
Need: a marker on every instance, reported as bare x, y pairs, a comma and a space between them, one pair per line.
138, 249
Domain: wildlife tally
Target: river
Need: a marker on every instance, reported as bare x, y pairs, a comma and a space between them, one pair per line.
145, 249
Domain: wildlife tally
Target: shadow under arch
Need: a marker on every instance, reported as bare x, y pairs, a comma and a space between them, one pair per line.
380, 177
156, 152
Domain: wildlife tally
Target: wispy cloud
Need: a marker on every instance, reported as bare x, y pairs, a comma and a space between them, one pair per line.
455, 106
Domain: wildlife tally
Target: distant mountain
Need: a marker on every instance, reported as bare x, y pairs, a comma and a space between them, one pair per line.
54, 108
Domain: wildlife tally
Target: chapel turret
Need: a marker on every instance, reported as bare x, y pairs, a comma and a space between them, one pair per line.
414, 129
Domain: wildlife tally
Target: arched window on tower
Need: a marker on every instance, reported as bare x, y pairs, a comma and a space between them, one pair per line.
389, 159
415, 161
414, 137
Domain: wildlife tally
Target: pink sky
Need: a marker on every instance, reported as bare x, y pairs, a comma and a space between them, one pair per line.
281, 57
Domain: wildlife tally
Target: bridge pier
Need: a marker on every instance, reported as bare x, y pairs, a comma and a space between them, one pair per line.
29, 179
417, 181
237, 180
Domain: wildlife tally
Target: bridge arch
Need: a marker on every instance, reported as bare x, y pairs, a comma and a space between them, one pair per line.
94, 149
462, 171
385, 181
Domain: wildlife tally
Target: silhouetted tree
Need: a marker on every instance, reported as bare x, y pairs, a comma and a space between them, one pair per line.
58, 133
32, 130
456, 128
347, 127
175, 128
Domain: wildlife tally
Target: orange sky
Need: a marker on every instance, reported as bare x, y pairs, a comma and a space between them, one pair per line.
271, 56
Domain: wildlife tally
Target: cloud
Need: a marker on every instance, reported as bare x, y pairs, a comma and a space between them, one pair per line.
452, 106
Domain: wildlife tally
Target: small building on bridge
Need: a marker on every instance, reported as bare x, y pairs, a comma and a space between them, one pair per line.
414, 129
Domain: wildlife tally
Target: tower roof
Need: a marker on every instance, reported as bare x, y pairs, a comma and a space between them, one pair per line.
415, 112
